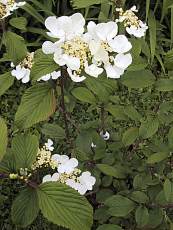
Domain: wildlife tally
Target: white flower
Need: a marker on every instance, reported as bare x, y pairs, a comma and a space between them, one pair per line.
86, 181
120, 44
68, 166
49, 47
64, 27
54, 75
137, 31
8, 6
21, 73
49, 145
73, 75
49, 178
93, 145
105, 135
60, 159
93, 70
121, 62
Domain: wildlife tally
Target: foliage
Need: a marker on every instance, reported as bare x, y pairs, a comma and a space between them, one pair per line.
134, 188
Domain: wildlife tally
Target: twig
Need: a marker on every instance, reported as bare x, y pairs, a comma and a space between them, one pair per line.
62, 78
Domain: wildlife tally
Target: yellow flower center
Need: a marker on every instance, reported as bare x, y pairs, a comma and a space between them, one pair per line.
130, 18
28, 61
3, 10
79, 49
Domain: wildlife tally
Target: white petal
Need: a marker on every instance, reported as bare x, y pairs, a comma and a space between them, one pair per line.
19, 72
93, 70
105, 135
52, 24
75, 77
123, 60
72, 62
78, 22
45, 77
26, 78
58, 58
47, 178
106, 31
82, 189
49, 47
55, 75
120, 44
55, 177
113, 71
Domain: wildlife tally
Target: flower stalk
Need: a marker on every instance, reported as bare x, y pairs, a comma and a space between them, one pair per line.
63, 107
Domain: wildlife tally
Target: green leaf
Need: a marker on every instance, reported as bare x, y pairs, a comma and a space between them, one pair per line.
164, 85
53, 131
25, 208
168, 189
16, 48
43, 64
148, 128
138, 79
77, 4
155, 217
110, 171
117, 111
157, 157
6, 80
3, 138
19, 23
119, 206
132, 113
170, 138
84, 95
33, 12
109, 227
141, 216
64, 206
139, 197
152, 32
38, 104
25, 148
130, 136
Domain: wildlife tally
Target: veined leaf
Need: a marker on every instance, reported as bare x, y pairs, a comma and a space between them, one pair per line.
110, 171
84, 95
53, 131
152, 31
142, 216
25, 208
6, 80
130, 136
148, 128
78, 4
64, 206
138, 79
38, 103
43, 64
15, 45
119, 206
19, 23
109, 227
3, 138
164, 85
157, 157
33, 12
25, 148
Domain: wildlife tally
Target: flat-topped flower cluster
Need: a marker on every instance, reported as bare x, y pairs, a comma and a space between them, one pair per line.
99, 49
67, 171
8, 6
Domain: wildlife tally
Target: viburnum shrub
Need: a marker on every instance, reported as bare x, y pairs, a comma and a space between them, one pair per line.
90, 143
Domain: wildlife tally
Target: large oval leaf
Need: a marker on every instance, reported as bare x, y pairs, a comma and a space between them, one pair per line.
38, 103
3, 138
138, 79
25, 208
64, 206
6, 80
84, 95
25, 148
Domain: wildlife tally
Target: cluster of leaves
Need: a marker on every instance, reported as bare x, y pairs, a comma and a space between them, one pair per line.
134, 188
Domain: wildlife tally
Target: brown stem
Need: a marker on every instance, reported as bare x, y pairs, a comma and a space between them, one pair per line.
32, 184
62, 78
102, 117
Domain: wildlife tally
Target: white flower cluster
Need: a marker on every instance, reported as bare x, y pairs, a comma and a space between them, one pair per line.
68, 173
98, 49
23, 70
133, 25
8, 6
